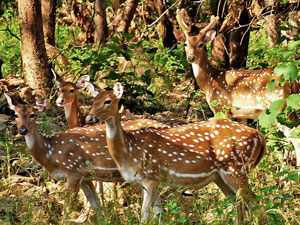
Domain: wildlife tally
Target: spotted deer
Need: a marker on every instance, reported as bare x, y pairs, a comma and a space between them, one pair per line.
244, 91
79, 155
192, 155
67, 98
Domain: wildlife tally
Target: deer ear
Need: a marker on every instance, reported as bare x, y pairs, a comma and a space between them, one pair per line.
118, 90
41, 104
57, 78
10, 102
92, 89
179, 35
82, 82
210, 36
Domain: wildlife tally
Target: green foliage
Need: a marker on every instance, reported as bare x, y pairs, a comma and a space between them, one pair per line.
10, 45
260, 55
268, 117
293, 101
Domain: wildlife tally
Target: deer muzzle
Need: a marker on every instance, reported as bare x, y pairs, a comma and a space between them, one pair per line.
23, 130
91, 120
191, 59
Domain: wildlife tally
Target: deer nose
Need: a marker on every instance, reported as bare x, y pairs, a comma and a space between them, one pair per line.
23, 130
191, 58
60, 101
91, 120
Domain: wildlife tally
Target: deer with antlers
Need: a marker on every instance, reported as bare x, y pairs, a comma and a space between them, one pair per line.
244, 91
193, 155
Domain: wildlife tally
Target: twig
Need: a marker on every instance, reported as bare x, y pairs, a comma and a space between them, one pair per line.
163, 14
9, 31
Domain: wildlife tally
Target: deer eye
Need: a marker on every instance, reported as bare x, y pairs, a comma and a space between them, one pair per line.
200, 45
32, 115
107, 102
72, 91
184, 44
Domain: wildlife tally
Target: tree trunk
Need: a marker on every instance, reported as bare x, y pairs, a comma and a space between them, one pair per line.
34, 58
48, 14
293, 21
218, 53
239, 41
127, 15
273, 33
166, 26
272, 23
116, 4
101, 30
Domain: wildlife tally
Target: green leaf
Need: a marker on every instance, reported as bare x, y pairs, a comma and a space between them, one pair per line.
295, 132
282, 28
268, 117
2, 144
288, 70
293, 176
220, 115
293, 45
279, 174
186, 103
288, 54
271, 85
281, 39
293, 101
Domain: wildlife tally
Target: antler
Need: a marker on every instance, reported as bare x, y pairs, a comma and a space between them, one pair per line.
213, 21
181, 15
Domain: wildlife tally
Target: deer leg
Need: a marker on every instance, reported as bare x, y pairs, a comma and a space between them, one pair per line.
100, 189
151, 192
72, 191
239, 185
90, 193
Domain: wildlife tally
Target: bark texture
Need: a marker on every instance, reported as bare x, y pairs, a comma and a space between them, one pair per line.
124, 20
272, 23
239, 38
219, 56
35, 67
230, 47
101, 30
48, 14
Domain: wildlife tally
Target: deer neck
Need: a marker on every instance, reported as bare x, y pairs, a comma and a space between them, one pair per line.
204, 72
38, 145
118, 149
73, 114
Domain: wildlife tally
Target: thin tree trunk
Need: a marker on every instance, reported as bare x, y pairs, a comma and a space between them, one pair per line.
101, 30
166, 26
219, 55
239, 40
273, 33
35, 67
116, 4
127, 15
293, 21
48, 14
272, 23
